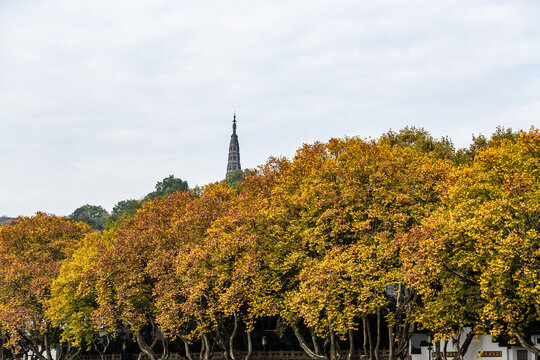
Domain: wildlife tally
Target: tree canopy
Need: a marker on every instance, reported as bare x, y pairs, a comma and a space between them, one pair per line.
350, 239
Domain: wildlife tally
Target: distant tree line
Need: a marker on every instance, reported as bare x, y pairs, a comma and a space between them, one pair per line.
353, 243
98, 218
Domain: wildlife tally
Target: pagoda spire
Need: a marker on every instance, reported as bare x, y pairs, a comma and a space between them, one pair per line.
233, 163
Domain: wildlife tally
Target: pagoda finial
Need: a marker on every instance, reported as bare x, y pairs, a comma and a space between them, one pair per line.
234, 123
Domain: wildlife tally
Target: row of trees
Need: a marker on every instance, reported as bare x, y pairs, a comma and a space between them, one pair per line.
349, 240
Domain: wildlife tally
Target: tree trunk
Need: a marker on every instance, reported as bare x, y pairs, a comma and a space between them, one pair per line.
316, 347
526, 343
437, 351
305, 346
351, 345
47, 347
186, 349
401, 329
60, 353
334, 352
222, 340
101, 344
69, 354
203, 348
378, 343
445, 350
231, 338
206, 354
462, 349
406, 331
367, 352
144, 346
370, 338
249, 345
165, 344
390, 343
326, 346
73, 355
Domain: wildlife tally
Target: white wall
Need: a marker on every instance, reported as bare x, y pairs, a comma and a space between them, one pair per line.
480, 344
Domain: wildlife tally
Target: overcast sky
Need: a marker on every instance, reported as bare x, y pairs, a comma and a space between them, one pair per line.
101, 99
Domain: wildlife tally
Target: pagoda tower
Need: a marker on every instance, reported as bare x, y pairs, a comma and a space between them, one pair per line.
234, 151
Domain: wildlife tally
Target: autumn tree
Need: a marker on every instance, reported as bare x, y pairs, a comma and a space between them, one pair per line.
479, 255
304, 198
74, 298
220, 282
125, 209
451, 305
239, 253
495, 208
125, 289
32, 250
351, 197
387, 190
190, 295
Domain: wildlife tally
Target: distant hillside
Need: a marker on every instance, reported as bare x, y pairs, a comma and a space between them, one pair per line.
4, 220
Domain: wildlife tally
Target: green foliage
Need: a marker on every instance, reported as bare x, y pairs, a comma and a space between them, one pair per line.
95, 216
166, 187
121, 211
236, 178
126, 207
